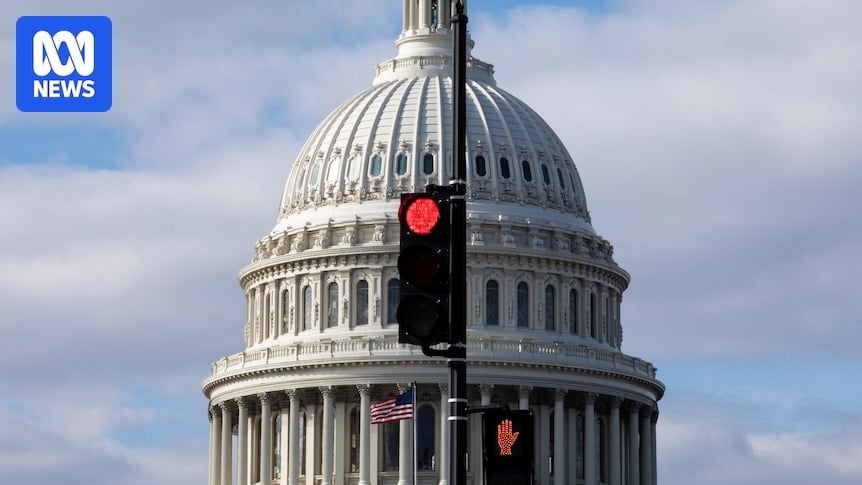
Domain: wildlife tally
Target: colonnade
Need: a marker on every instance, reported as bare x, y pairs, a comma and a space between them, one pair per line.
307, 437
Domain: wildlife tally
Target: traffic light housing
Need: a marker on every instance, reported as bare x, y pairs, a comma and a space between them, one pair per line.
423, 268
507, 438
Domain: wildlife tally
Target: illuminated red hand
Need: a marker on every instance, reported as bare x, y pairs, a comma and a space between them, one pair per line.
505, 437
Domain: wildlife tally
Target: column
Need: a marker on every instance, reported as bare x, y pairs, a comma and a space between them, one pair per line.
590, 445
646, 446
559, 437
524, 397
443, 14
293, 450
443, 445
364, 434
424, 14
215, 446
634, 453
265, 438
477, 464
615, 448
242, 442
254, 428
571, 445
405, 22
653, 422
405, 445
327, 448
284, 443
543, 444
226, 444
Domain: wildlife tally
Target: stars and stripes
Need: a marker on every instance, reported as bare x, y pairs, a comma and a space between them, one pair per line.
393, 409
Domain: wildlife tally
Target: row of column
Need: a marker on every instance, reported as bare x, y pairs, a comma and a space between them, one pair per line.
418, 14
254, 449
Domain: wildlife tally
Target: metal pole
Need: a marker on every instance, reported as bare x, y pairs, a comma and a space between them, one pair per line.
458, 256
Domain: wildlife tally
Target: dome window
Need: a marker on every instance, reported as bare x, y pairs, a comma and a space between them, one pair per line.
573, 311
315, 175
428, 164
352, 167
401, 164
492, 303
362, 303
332, 311
550, 308
504, 168
546, 177
528, 172
481, 170
523, 302
376, 165
560, 176
392, 290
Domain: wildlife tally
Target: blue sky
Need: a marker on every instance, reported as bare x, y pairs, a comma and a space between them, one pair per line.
718, 143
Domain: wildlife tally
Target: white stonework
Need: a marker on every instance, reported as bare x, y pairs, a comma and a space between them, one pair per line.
544, 292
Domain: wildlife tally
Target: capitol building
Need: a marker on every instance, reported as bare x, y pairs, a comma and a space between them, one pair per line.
544, 293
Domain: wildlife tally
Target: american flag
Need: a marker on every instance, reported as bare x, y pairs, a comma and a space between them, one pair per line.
393, 409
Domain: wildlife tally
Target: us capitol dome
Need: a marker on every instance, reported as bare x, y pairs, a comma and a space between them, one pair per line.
543, 290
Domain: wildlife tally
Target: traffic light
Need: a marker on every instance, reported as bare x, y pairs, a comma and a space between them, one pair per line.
423, 268
508, 447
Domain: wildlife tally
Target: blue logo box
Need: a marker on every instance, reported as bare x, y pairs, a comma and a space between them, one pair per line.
63, 63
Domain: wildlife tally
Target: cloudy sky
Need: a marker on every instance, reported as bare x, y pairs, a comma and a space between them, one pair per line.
718, 142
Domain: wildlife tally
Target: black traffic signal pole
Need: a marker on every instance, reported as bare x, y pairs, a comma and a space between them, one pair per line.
457, 358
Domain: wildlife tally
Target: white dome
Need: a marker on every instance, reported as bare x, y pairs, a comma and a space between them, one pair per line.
396, 137
543, 292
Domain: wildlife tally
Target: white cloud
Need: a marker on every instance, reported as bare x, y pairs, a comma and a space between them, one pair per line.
718, 143
718, 146
724, 442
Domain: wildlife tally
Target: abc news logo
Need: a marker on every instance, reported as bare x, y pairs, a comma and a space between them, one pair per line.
63, 64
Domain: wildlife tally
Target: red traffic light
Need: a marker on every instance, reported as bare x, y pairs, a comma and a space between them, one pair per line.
420, 213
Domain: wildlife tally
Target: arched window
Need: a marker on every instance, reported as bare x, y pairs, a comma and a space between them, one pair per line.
391, 432
546, 177
362, 303
560, 176
573, 311
594, 316
523, 302
504, 168
528, 172
285, 311
392, 289
376, 163
428, 164
605, 327
400, 164
492, 303
550, 308
481, 169
354, 441
307, 322
267, 316
425, 431
332, 309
